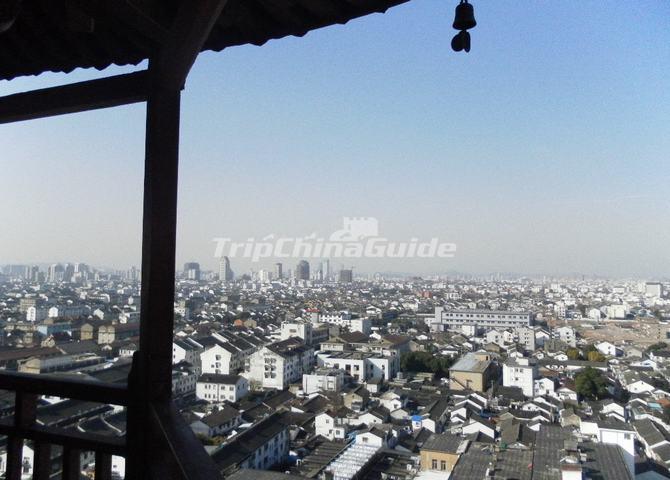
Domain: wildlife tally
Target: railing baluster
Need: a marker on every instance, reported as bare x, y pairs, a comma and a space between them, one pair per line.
103, 466
14, 457
42, 461
25, 405
71, 463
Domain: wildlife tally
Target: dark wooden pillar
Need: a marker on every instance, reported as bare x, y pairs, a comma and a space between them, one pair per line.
151, 375
159, 239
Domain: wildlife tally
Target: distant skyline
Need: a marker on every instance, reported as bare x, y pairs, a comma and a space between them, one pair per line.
545, 150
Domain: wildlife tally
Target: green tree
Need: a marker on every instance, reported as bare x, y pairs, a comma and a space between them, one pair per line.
425, 362
590, 384
661, 383
416, 362
573, 353
657, 346
596, 356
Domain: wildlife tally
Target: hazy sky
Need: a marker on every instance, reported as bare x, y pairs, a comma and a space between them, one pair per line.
544, 150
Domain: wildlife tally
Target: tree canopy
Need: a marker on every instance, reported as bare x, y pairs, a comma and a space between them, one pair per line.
591, 384
657, 346
425, 362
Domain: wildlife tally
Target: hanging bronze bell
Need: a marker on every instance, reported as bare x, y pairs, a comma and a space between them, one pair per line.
465, 16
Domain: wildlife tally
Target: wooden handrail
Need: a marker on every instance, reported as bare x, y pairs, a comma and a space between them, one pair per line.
174, 452
47, 384
22, 426
58, 436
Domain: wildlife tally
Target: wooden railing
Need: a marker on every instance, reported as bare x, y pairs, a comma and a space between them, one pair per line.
22, 426
167, 448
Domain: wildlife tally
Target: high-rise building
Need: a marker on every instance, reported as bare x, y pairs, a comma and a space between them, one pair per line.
34, 273
69, 272
325, 268
279, 273
302, 270
346, 276
55, 273
133, 274
192, 270
653, 289
225, 273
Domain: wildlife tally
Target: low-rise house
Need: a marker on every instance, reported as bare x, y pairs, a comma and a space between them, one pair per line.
323, 380
357, 399
110, 333
260, 447
331, 425
544, 386
615, 433
478, 425
655, 440
375, 437
607, 348
441, 452
433, 417
214, 387
217, 423
474, 371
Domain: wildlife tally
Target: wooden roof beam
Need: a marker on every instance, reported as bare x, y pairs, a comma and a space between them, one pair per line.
76, 97
190, 30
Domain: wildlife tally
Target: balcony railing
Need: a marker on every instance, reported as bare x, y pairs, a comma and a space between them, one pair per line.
165, 449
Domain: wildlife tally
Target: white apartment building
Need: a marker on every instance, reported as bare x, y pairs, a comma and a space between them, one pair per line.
351, 321
361, 366
219, 388
220, 357
36, 314
566, 335
322, 380
448, 319
653, 289
520, 372
184, 377
68, 311
226, 352
281, 363
297, 328
526, 337
186, 350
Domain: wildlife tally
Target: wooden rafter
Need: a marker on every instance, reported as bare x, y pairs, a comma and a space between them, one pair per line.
76, 97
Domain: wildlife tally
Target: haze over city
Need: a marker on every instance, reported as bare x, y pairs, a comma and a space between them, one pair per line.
542, 151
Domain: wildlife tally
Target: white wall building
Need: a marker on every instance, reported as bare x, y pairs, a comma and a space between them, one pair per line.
297, 328
219, 388
281, 363
447, 319
520, 372
322, 380
361, 366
